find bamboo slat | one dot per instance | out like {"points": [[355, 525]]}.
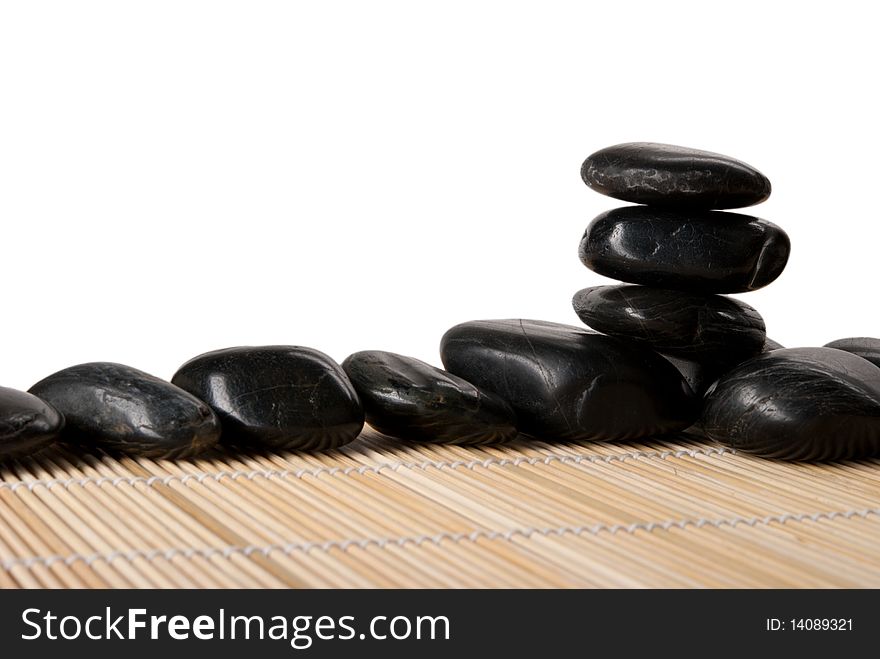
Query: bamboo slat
{"points": [[379, 513]]}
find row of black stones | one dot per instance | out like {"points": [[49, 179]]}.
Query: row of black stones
{"points": [[250, 398], [673, 351]]}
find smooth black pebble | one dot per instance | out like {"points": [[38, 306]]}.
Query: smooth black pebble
{"points": [[815, 404], [277, 397], [863, 346], [675, 322], [120, 408], [565, 383], [700, 251], [674, 176], [414, 401], [27, 423]]}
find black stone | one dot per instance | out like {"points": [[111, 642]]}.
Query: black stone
{"points": [[701, 251], [674, 322], [674, 176], [120, 408], [813, 404], [278, 397], [863, 346], [568, 384], [414, 401], [27, 423]]}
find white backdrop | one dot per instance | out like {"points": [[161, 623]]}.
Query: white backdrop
{"points": [[177, 177]]}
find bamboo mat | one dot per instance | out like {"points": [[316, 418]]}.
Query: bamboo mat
{"points": [[378, 514]]}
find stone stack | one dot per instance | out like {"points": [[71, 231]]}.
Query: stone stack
{"points": [[680, 254], [664, 339]]}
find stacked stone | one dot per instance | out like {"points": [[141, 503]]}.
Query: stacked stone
{"points": [[680, 254], [665, 337]]}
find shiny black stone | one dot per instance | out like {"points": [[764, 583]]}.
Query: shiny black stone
{"points": [[414, 401], [278, 397], [674, 322], [27, 423], [568, 384], [812, 404], [701, 251], [674, 176], [863, 346], [120, 408]]}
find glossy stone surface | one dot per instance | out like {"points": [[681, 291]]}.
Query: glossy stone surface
{"points": [[27, 423], [674, 176], [703, 371], [770, 344], [414, 401], [568, 384], [700, 374], [675, 322], [863, 346], [278, 397], [700, 251], [813, 404], [120, 408]]}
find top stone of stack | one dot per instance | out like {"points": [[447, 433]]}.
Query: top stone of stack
{"points": [[668, 176]]}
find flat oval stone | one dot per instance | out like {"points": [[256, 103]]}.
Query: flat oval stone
{"points": [[700, 251], [674, 176], [414, 401], [27, 424], [120, 408], [812, 404], [863, 346], [674, 322], [278, 397], [568, 384]]}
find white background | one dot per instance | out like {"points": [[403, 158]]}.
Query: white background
{"points": [[177, 177]]}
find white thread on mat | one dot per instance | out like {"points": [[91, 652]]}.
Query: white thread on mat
{"points": [[364, 469], [479, 534]]}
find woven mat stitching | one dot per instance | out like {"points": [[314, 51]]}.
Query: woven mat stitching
{"points": [[345, 471], [479, 534]]}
